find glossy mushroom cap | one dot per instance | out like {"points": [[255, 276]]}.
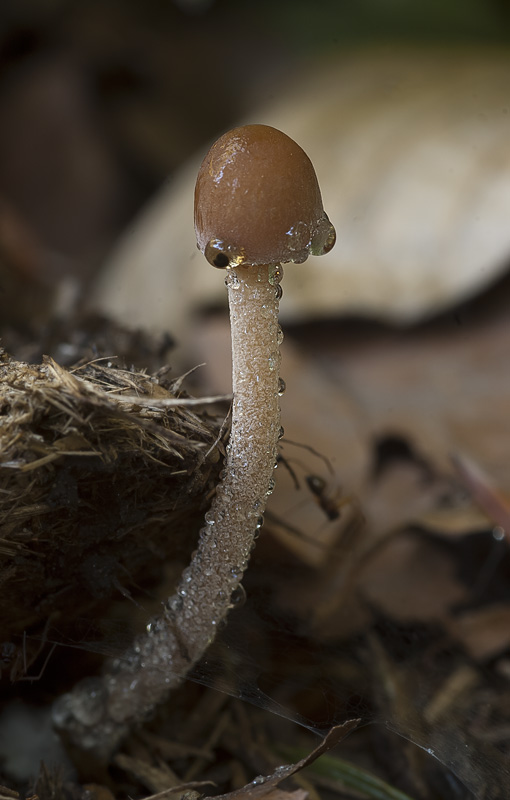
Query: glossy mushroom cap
{"points": [[257, 201]]}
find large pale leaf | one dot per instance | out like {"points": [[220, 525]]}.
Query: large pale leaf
{"points": [[412, 150]]}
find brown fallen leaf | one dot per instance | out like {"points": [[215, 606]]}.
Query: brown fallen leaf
{"points": [[440, 387], [279, 794], [264, 784], [411, 579], [484, 632]]}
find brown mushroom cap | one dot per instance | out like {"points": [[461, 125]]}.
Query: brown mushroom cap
{"points": [[257, 200]]}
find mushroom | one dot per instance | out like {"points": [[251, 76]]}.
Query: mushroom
{"points": [[257, 204]]}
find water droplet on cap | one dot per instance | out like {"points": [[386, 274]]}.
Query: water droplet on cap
{"points": [[275, 274], [324, 238], [221, 255]]}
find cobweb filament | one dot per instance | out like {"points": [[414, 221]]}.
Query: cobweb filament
{"points": [[234, 667]]}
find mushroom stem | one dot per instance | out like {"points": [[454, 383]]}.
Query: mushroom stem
{"points": [[98, 713], [232, 523], [257, 203]]}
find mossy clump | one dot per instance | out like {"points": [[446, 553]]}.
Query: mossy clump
{"points": [[104, 476]]}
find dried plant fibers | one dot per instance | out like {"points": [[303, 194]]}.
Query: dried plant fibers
{"points": [[81, 451], [257, 203]]}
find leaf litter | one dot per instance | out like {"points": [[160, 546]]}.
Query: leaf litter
{"points": [[421, 574], [392, 611]]}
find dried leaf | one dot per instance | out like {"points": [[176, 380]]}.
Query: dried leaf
{"points": [[262, 785], [412, 580], [279, 794], [8, 794], [484, 632], [411, 151]]}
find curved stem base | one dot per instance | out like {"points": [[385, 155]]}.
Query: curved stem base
{"points": [[98, 713]]}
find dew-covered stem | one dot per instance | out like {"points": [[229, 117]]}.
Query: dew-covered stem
{"points": [[99, 712]]}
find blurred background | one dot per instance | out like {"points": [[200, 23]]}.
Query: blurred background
{"points": [[402, 107], [396, 342], [106, 110]]}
